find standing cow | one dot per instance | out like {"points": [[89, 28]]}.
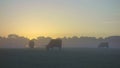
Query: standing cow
{"points": [[31, 43], [103, 45], [54, 43]]}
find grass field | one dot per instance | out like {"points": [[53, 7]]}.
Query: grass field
{"points": [[67, 58]]}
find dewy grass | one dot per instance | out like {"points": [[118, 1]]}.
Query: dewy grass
{"points": [[67, 58]]}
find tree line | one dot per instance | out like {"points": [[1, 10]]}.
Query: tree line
{"points": [[15, 41]]}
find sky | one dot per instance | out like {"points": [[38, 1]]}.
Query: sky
{"points": [[59, 18]]}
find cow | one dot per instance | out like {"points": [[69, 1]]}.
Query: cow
{"points": [[54, 43], [103, 45], [31, 43]]}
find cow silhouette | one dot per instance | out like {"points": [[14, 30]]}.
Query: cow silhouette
{"points": [[54, 43], [31, 43], [103, 45]]}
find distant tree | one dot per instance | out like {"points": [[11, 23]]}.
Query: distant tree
{"points": [[75, 37], [13, 36]]}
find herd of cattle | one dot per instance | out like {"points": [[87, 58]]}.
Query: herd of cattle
{"points": [[53, 43], [58, 43]]}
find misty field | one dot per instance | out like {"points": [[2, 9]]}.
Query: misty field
{"points": [[67, 58]]}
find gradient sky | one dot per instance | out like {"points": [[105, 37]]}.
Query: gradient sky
{"points": [[58, 18]]}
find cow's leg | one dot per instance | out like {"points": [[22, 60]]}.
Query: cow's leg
{"points": [[106, 46], [60, 48], [51, 48], [47, 48]]}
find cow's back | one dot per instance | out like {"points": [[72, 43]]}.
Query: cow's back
{"points": [[105, 44], [55, 43]]}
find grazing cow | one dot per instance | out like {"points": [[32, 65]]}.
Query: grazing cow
{"points": [[54, 43], [31, 43], [103, 45]]}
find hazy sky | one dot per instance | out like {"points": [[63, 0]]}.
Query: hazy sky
{"points": [[58, 18]]}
